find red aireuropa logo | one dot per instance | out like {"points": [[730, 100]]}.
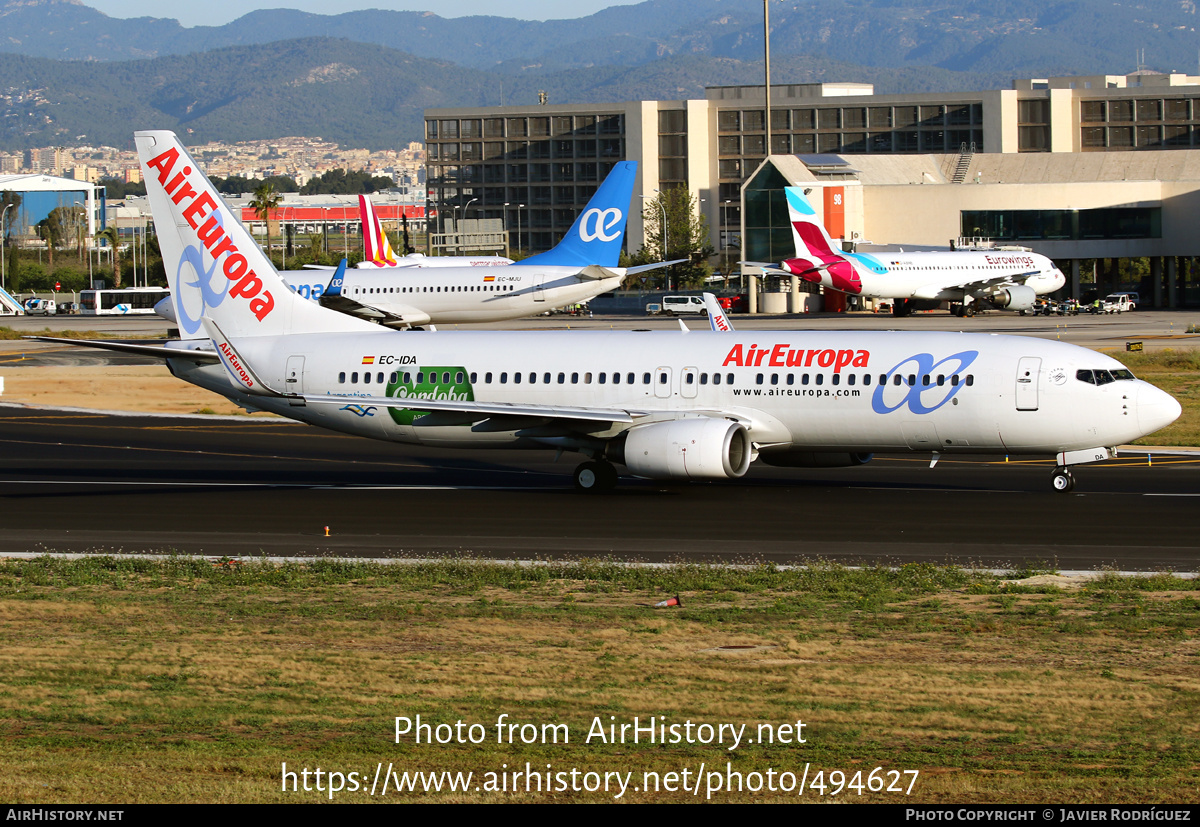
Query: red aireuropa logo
{"points": [[245, 283]]}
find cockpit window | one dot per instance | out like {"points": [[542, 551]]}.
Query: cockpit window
{"points": [[1123, 374], [1103, 377]]}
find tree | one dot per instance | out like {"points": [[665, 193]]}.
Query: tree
{"points": [[265, 200], [113, 238], [686, 236]]}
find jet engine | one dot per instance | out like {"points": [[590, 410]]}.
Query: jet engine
{"points": [[1017, 297], [814, 459], [697, 448]]}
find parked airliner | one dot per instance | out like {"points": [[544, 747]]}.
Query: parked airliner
{"points": [[582, 266], [673, 405], [1008, 279]]}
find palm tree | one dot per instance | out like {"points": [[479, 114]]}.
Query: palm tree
{"points": [[265, 200], [110, 235]]}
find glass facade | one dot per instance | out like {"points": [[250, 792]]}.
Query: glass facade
{"points": [[1139, 123], [1065, 225], [551, 164]]}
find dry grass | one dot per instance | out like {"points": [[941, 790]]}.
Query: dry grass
{"points": [[143, 684]]}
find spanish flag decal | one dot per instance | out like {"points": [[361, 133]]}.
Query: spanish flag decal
{"points": [[489, 278], [368, 360]]}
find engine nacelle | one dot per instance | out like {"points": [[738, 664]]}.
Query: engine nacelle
{"points": [[1017, 297], [690, 449], [814, 459]]}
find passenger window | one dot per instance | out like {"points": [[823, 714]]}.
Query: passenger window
{"points": [[617, 378], [603, 377], [897, 379], [704, 379], [393, 376], [532, 378], [912, 380], [820, 378], [445, 378], [562, 379], [691, 378], [774, 378], [791, 378], [662, 379], [804, 379], [835, 379], [849, 378], [645, 379], [545, 378], [474, 377], [925, 380], [342, 378], [758, 379], [420, 378], [716, 378], [970, 379], [629, 377], [941, 380], [574, 378], [516, 377], [487, 378], [729, 379], [354, 377], [866, 379], [587, 377], [954, 380], [503, 378], [458, 377]]}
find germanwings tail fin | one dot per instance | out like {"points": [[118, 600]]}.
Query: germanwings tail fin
{"points": [[214, 268], [598, 234], [376, 248]]}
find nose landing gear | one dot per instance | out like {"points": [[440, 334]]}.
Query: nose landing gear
{"points": [[1062, 480]]}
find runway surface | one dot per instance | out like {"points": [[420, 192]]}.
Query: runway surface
{"points": [[78, 481]]}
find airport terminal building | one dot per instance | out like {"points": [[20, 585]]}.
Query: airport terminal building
{"points": [[1092, 169]]}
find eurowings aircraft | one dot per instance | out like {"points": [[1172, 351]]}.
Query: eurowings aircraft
{"points": [[378, 253], [672, 405], [916, 281], [580, 267]]}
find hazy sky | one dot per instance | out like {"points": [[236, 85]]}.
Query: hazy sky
{"points": [[217, 12]]}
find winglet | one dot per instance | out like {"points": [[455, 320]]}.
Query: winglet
{"points": [[716, 316], [238, 368]]}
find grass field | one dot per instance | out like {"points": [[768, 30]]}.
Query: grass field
{"points": [[1178, 373], [180, 680]]}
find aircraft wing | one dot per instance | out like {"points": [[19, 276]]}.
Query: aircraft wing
{"points": [[932, 291], [395, 316], [599, 273], [483, 409], [156, 351]]}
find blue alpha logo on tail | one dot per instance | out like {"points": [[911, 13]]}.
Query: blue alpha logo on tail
{"points": [[598, 234]]}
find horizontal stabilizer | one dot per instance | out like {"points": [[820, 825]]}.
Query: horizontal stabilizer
{"points": [[157, 351]]}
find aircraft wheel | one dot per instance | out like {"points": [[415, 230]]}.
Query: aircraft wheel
{"points": [[1062, 480], [968, 310], [595, 477]]}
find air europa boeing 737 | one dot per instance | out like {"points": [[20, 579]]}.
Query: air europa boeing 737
{"points": [[916, 281], [672, 405]]}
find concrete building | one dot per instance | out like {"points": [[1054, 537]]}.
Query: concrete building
{"points": [[1074, 167]]}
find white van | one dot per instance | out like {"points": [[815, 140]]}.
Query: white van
{"points": [[683, 304], [41, 307]]}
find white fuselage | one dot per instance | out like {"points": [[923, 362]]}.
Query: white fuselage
{"points": [[851, 391], [946, 276], [446, 295]]}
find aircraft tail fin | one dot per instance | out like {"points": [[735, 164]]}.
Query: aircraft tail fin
{"points": [[810, 235], [377, 250], [214, 267], [598, 234]]}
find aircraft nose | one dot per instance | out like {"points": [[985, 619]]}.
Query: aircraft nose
{"points": [[1156, 409]]}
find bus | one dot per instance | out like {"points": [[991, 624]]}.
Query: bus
{"points": [[125, 301]]}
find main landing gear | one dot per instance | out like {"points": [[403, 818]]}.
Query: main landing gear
{"points": [[593, 477], [1062, 480]]}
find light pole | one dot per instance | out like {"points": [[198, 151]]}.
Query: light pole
{"points": [[4, 246], [506, 255], [464, 218], [725, 237], [519, 208]]}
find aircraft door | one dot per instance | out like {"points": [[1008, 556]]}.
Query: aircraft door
{"points": [[293, 380], [662, 383], [688, 380], [1028, 369], [539, 291]]}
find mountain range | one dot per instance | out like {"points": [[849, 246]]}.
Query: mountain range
{"points": [[70, 73]]}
